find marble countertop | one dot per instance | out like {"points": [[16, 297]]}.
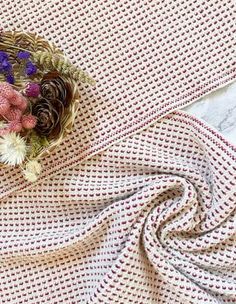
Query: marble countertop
{"points": [[219, 110]]}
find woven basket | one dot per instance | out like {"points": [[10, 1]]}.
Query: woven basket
{"points": [[34, 43]]}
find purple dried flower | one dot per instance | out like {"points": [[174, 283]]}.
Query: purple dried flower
{"points": [[6, 65], [32, 89], [23, 55], [30, 68], [3, 56], [10, 78]]}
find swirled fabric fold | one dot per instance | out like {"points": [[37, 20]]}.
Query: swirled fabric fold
{"points": [[149, 220], [137, 205], [148, 58]]}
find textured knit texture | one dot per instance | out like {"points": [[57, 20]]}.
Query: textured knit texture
{"points": [[128, 210], [148, 57], [149, 220]]}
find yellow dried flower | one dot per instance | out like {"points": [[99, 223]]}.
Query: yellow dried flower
{"points": [[34, 166], [30, 177], [32, 170]]}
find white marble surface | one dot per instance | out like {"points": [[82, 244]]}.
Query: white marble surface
{"points": [[219, 110]]}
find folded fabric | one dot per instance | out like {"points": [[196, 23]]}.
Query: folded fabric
{"points": [[137, 204], [149, 220], [147, 57]]}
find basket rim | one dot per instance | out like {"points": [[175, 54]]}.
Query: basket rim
{"points": [[69, 116]]}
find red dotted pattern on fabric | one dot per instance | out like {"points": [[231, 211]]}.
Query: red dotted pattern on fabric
{"points": [[149, 220], [148, 57]]}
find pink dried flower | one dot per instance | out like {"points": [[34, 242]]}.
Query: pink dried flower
{"points": [[32, 89], [16, 100], [12, 107], [28, 121], [15, 126], [23, 105], [19, 101], [13, 114], [6, 90], [4, 105]]}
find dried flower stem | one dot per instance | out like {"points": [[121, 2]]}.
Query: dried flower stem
{"points": [[63, 66], [56, 62]]}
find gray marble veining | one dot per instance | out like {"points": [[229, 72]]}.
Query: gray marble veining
{"points": [[219, 110]]}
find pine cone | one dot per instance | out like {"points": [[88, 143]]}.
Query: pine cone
{"points": [[54, 87], [49, 115]]}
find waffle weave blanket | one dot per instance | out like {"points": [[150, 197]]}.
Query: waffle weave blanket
{"points": [[138, 204]]}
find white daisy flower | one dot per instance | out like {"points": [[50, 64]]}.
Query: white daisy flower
{"points": [[12, 149]]}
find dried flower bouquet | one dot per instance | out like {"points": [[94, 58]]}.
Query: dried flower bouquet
{"points": [[38, 100]]}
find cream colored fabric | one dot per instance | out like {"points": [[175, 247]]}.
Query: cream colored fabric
{"points": [[132, 207], [149, 220], [148, 58]]}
